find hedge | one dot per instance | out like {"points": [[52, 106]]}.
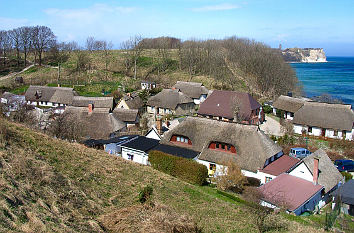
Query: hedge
{"points": [[184, 169]]}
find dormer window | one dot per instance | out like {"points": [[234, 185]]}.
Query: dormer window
{"points": [[181, 139], [225, 147], [38, 94]]}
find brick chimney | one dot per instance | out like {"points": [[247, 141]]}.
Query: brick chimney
{"points": [[315, 170], [90, 108], [159, 124]]}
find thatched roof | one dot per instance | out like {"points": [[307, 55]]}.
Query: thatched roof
{"points": [[99, 124], [126, 115], [62, 95], [223, 103], [323, 115], [133, 101], [98, 102], [191, 89], [169, 98], [328, 175], [289, 104], [253, 147]]}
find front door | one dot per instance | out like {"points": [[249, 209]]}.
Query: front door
{"points": [[323, 133]]}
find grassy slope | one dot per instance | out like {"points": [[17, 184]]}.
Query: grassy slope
{"points": [[45, 75], [52, 185]]}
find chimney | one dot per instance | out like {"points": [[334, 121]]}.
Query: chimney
{"points": [[315, 170], [159, 124], [90, 108]]}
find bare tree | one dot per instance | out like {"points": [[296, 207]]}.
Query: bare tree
{"points": [[107, 49], [133, 49], [26, 42], [67, 126], [15, 35], [5, 44], [90, 43], [43, 39]]}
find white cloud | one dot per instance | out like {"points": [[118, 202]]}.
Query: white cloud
{"points": [[220, 7], [11, 23]]}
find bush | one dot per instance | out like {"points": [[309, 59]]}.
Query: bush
{"points": [[145, 194], [347, 176], [232, 180], [267, 109], [184, 169]]}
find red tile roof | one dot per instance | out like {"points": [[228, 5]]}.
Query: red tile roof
{"points": [[289, 191], [222, 104], [281, 165]]}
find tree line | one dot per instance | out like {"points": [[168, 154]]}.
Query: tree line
{"points": [[231, 62]]}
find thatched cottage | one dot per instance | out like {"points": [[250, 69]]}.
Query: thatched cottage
{"points": [[289, 105], [197, 91], [232, 106], [49, 96], [97, 123], [170, 101], [96, 102], [219, 142], [131, 101], [323, 119]]}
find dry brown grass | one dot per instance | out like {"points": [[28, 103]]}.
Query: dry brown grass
{"points": [[52, 185]]}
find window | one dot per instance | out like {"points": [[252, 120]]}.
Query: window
{"points": [[212, 167], [309, 129], [181, 139], [222, 147], [130, 157], [335, 133], [267, 179], [291, 114]]}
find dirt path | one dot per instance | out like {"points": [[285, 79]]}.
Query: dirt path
{"points": [[272, 127], [16, 73]]}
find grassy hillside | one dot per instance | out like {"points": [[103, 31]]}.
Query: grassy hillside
{"points": [[53, 185]]}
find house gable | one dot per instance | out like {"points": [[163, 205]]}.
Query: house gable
{"points": [[302, 171]]}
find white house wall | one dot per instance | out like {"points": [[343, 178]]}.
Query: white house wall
{"points": [[219, 168], [123, 104], [302, 172], [329, 133], [262, 176], [138, 156]]}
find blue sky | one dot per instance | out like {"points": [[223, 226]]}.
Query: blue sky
{"points": [[293, 23]]}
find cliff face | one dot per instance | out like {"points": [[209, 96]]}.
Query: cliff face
{"points": [[304, 55]]}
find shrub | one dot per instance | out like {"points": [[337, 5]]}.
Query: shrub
{"points": [[267, 109], [185, 169], [233, 179], [347, 176], [145, 194]]}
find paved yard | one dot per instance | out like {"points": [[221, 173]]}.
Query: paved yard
{"points": [[272, 127]]}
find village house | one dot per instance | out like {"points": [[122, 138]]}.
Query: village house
{"points": [[128, 116], [346, 195], [170, 101], [137, 150], [12, 102], [275, 167], [326, 120], [131, 101], [232, 106], [96, 102], [49, 96], [319, 168], [289, 105], [197, 91], [220, 142], [147, 85], [111, 145], [96, 123], [295, 194]]}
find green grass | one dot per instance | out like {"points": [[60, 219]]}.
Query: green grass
{"points": [[95, 89], [20, 90], [33, 69]]}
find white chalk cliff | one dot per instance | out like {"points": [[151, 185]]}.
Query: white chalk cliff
{"points": [[304, 55]]}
